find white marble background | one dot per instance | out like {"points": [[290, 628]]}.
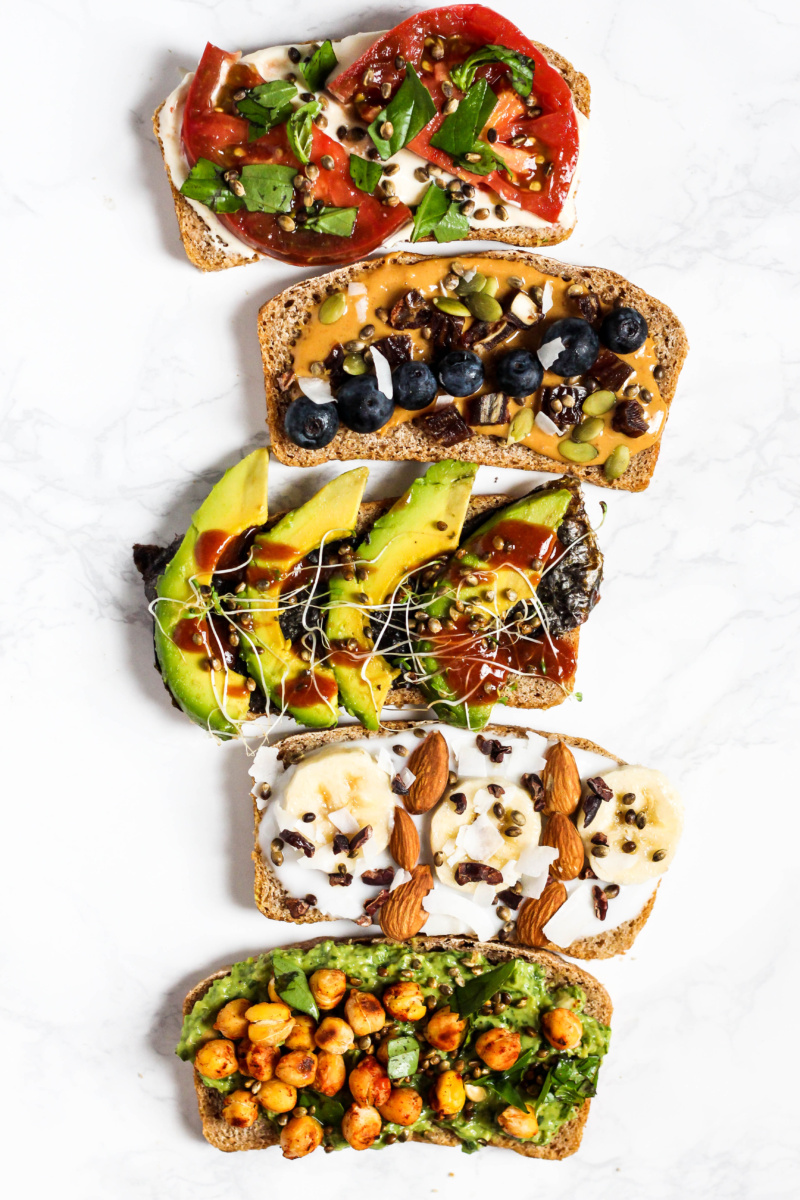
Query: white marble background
{"points": [[131, 381]]}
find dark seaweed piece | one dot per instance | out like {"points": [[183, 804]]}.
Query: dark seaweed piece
{"points": [[569, 590]]}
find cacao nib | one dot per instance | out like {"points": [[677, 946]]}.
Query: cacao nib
{"points": [[586, 872], [600, 903], [360, 839], [611, 373], [341, 843], [491, 409], [629, 419], [566, 415], [599, 839], [472, 872], [396, 348], [591, 807], [398, 787], [586, 305], [337, 880], [446, 426], [372, 906], [335, 364], [494, 789], [298, 841], [600, 787], [498, 752], [297, 908], [534, 787], [510, 898], [379, 877], [459, 802]]}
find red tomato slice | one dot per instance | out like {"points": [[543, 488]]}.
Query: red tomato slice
{"points": [[221, 136], [467, 27]]}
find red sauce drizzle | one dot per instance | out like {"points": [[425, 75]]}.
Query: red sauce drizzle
{"points": [[469, 664], [214, 630], [305, 690], [209, 548], [523, 543]]}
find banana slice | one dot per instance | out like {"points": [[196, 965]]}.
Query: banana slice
{"points": [[643, 823], [478, 834], [346, 790]]}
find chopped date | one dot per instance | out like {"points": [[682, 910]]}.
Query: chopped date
{"points": [[591, 807], [490, 409], [600, 787], [446, 425], [341, 843], [298, 841], [334, 363], [378, 877], [510, 898], [629, 419], [297, 908], [409, 312], [610, 372], [488, 335], [447, 331], [372, 906], [472, 872], [564, 404], [337, 880], [396, 349], [360, 839], [600, 903], [586, 305]]}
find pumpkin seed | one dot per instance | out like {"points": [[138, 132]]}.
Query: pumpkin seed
{"points": [[577, 452], [454, 308], [354, 364], [599, 403], [587, 431], [467, 286], [617, 462], [484, 307], [492, 286], [521, 425], [333, 308]]}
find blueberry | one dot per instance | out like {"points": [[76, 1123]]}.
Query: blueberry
{"points": [[623, 330], [414, 385], [460, 372], [519, 373], [311, 425], [362, 407], [581, 345]]}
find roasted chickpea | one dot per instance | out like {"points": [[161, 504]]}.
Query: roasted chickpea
{"points": [[298, 1068], [361, 1126], [216, 1059], [240, 1109], [300, 1137], [403, 1106], [270, 1023], [231, 1020], [364, 1012], [404, 1002], [447, 1094], [517, 1123], [562, 1028], [445, 1030], [335, 1035], [272, 992], [382, 1053], [331, 1073], [302, 1035], [257, 1059], [499, 1048], [328, 988], [369, 1083], [277, 1096]]}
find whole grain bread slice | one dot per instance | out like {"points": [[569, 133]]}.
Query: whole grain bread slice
{"points": [[273, 900], [281, 321], [558, 973], [205, 251]]}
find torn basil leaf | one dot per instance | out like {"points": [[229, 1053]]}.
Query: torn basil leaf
{"points": [[459, 131], [506, 1084], [336, 221], [292, 986], [327, 1111], [439, 214], [403, 1057], [268, 187], [520, 68], [206, 185], [575, 1079], [267, 105], [364, 173], [319, 67], [474, 994], [408, 112], [300, 129]]}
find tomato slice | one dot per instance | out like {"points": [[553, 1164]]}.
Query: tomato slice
{"points": [[212, 130], [540, 187]]}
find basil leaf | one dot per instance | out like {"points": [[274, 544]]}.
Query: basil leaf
{"points": [[473, 995], [409, 111], [337, 221], [329, 1112], [541, 1099], [319, 67], [292, 986], [364, 173], [506, 1083], [403, 1057], [574, 1079], [459, 131], [439, 214], [267, 105], [300, 129], [520, 68], [206, 185], [487, 162], [453, 225]]}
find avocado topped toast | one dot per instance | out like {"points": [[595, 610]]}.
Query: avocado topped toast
{"points": [[367, 1043]]}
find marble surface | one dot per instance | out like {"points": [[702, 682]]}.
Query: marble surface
{"points": [[131, 381]]}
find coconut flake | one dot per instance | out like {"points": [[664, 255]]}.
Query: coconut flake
{"points": [[533, 865], [318, 391], [384, 761], [484, 894], [472, 764], [443, 401], [546, 425], [383, 373], [362, 308], [344, 821], [406, 777], [570, 921], [470, 274], [447, 902], [547, 297], [482, 839], [401, 877], [482, 801], [655, 424], [357, 289], [549, 352]]}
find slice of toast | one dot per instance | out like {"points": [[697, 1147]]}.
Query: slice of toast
{"points": [[274, 902], [557, 974], [281, 320], [206, 251]]}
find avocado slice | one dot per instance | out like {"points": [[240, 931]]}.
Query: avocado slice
{"points": [[491, 574], [425, 522], [307, 694], [218, 699]]}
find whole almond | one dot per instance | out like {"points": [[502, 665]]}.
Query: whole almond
{"points": [[534, 914], [404, 842], [561, 781], [402, 915], [430, 764], [562, 835]]}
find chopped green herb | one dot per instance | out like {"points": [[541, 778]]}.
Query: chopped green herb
{"points": [[439, 214], [327, 1111], [292, 986], [319, 67], [459, 131], [267, 105], [506, 1083], [474, 994], [337, 221], [268, 187], [408, 112], [520, 68], [300, 129], [365, 174], [206, 185], [574, 1079], [403, 1057]]}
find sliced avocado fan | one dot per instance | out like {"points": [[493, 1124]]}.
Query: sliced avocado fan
{"points": [[424, 523], [306, 690], [188, 648]]}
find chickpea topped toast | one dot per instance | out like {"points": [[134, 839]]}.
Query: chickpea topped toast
{"points": [[364, 1043]]}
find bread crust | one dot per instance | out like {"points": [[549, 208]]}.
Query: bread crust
{"points": [[205, 252], [558, 974]]}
